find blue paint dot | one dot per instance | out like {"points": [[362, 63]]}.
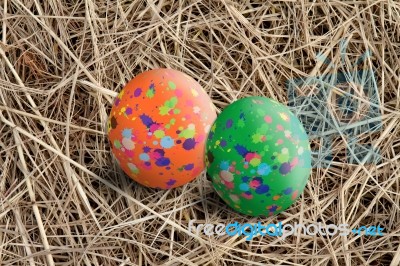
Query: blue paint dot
{"points": [[163, 161], [167, 142], [262, 189], [244, 187], [245, 178], [144, 157], [263, 169], [127, 133], [224, 165]]}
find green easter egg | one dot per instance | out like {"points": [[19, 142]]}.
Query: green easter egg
{"points": [[258, 156]]}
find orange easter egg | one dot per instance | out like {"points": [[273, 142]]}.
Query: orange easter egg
{"points": [[158, 126]]}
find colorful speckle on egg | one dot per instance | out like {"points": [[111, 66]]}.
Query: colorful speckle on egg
{"points": [[258, 156], [157, 128]]}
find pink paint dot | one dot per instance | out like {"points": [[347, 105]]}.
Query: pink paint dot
{"points": [[279, 141], [200, 138], [294, 162], [129, 153], [254, 184], [250, 156], [228, 184], [268, 119], [294, 195], [196, 171], [154, 127], [178, 92], [247, 196], [155, 155], [279, 127]]}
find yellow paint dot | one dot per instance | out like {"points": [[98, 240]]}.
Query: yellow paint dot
{"points": [[195, 93]]}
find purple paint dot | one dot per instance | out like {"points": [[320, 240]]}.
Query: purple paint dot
{"points": [[223, 143], [168, 168], [273, 208], [189, 144], [178, 141], [241, 150], [245, 178], [146, 120], [146, 149], [262, 189], [171, 182], [163, 161], [128, 111], [229, 123], [147, 163], [288, 191], [161, 152], [117, 101], [189, 166], [137, 92], [285, 168]]}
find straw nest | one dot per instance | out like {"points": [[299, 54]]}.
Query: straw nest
{"points": [[64, 201]]}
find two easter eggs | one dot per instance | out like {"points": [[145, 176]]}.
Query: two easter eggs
{"points": [[164, 131]]}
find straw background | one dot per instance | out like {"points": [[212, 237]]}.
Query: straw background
{"points": [[63, 199]]}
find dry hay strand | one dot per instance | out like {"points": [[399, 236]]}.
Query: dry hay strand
{"points": [[64, 201]]}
